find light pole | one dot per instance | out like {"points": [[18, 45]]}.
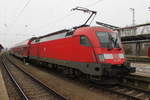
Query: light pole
{"points": [[133, 16]]}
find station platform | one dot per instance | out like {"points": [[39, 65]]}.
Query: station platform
{"points": [[142, 69], [3, 90]]}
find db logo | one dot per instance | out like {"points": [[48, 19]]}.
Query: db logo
{"points": [[116, 57]]}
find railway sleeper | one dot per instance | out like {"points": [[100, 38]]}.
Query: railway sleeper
{"points": [[138, 83]]}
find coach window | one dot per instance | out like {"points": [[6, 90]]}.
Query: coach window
{"points": [[84, 41]]}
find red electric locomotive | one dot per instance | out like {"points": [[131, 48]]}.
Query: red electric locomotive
{"points": [[94, 51]]}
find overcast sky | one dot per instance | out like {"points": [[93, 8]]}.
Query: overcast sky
{"points": [[22, 19]]}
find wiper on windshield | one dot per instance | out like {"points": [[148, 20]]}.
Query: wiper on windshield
{"points": [[113, 40], [116, 43]]}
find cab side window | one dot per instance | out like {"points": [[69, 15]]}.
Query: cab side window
{"points": [[84, 41]]}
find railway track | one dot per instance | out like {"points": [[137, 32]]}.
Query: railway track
{"points": [[29, 87], [132, 87], [129, 93], [138, 59]]}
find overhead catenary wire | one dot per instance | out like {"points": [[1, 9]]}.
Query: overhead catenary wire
{"points": [[94, 3], [22, 10], [19, 14], [57, 20], [61, 18], [68, 15], [12, 24]]}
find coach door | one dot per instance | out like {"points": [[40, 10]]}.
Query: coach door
{"points": [[38, 48], [38, 51]]}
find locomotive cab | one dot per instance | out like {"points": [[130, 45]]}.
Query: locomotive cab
{"points": [[107, 49], [110, 50]]}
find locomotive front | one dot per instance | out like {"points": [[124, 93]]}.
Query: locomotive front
{"points": [[108, 52], [111, 51]]}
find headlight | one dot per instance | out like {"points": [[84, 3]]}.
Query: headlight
{"points": [[108, 56], [102, 57], [121, 56]]}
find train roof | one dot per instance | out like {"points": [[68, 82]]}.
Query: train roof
{"points": [[96, 28], [25, 42], [77, 28], [74, 29], [57, 32]]}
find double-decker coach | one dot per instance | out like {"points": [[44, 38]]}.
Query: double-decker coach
{"points": [[21, 49]]}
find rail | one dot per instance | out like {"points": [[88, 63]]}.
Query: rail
{"points": [[138, 59], [132, 86], [58, 95], [25, 97]]}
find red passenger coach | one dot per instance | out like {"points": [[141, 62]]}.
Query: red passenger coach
{"points": [[21, 50]]}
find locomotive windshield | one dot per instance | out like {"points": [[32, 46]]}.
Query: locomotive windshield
{"points": [[109, 40]]}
